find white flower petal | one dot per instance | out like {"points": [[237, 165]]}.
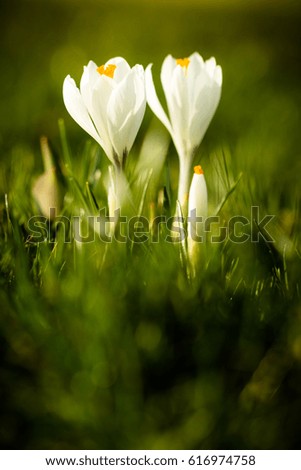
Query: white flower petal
{"points": [[218, 75], [205, 108], [179, 94], [179, 110], [195, 68], [153, 101], [88, 79], [122, 68], [132, 126], [122, 101], [101, 94], [139, 83], [207, 95], [125, 111], [197, 209], [77, 109], [196, 58], [198, 198], [168, 67], [210, 65]]}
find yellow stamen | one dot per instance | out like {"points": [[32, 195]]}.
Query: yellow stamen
{"points": [[183, 62], [107, 70], [198, 170]]}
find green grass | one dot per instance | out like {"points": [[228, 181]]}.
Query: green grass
{"points": [[113, 346]]}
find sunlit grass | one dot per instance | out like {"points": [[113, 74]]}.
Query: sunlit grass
{"points": [[112, 346]]}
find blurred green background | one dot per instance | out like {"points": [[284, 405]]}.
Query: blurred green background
{"points": [[125, 359]]}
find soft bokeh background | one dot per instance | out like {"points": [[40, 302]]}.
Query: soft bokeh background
{"points": [[126, 360]]}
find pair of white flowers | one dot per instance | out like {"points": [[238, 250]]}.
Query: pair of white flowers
{"points": [[110, 104]]}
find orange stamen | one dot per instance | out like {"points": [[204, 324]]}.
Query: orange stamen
{"points": [[198, 170], [107, 70], [183, 62]]}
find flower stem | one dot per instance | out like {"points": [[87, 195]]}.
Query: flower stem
{"points": [[184, 183]]}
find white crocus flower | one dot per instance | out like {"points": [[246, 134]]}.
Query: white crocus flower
{"points": [[192, 90], [109, 105], [197, 213]]}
